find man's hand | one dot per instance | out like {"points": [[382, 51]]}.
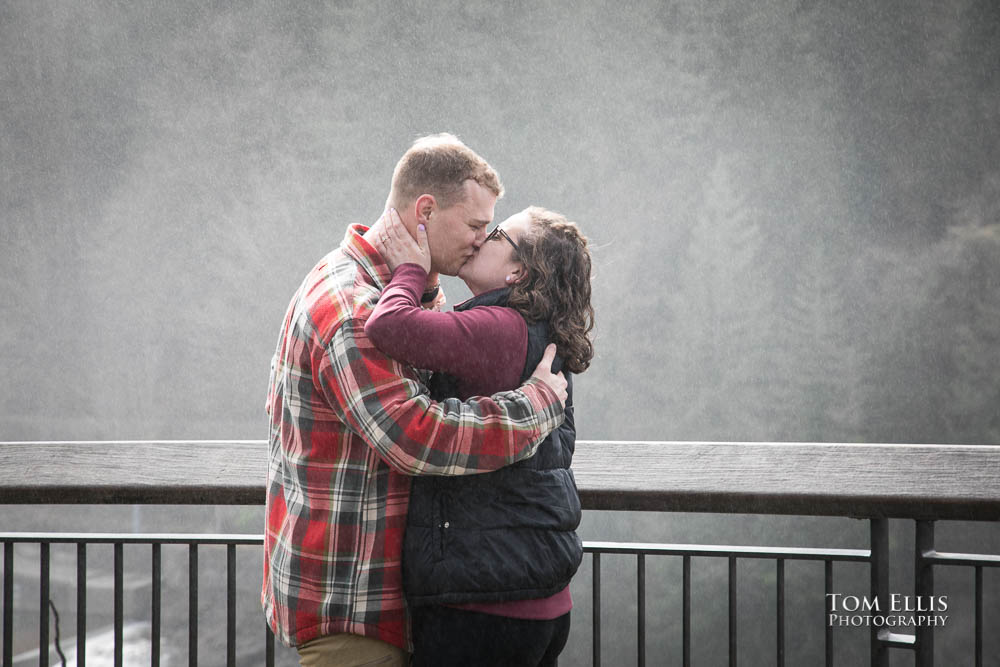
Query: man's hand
{"points": [[543, 372], [396, 245]]}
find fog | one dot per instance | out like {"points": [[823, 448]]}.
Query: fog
{"points": [[794, 205]]}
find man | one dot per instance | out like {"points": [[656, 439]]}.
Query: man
{"points": [[350, 425]]}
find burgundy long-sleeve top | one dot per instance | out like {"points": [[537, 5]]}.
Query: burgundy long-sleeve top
{"points": [[484, 348]]}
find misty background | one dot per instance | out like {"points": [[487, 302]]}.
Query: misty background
{"points": [[794, 208]]}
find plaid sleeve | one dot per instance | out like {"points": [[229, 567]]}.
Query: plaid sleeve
{"points": [[379, 399]]}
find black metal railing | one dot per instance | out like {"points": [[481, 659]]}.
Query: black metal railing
{"points": [[118, 542], [922, 641], [732, 554], [976, 496]]}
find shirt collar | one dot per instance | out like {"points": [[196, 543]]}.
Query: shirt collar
{"points": [[355, 246]]}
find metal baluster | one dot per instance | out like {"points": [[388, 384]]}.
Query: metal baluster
{"points": [[641, 606], [686, 613], [156, 604], [119, 602], [231, 605], [43, 606], [828, 590], [81, 604], [193, 604], [8, 604], [780, 621], [732, 612], [924, 586], [879, 529], [597, 609], [268, 647], [979, 616]]}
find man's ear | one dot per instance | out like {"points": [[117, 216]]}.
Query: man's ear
{"points": [[423, 207]]}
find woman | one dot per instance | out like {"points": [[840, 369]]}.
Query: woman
{"points": [[488, 558]]}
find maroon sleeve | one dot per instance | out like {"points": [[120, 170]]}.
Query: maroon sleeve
{"points": [[482, 344]]}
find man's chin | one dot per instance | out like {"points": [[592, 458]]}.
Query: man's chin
{"points": [[448, 270]]}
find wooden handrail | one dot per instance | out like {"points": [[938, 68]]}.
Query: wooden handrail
{"points": [[822, 479]]}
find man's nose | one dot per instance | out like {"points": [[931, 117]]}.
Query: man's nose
{"points": [[480, 238]]}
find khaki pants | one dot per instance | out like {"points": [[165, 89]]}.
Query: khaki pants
{"points": [[344, 650]]}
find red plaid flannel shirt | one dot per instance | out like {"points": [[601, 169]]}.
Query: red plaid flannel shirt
{"points": [[349, 426]]}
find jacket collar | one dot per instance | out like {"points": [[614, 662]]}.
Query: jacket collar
{"points": [[495, 297], [355, 246]]}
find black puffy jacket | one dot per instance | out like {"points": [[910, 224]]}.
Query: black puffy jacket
{"points": [[504, 535]]}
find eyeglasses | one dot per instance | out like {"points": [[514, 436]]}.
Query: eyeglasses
{"points": [[498, 232]]}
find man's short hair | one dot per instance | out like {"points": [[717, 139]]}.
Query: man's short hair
{"points": [[439, 165]]}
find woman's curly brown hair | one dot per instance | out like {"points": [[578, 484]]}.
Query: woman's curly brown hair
{"points": [[556, 285]]}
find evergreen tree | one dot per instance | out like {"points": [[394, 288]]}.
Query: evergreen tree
{"points": [[819, 397], [964, 310], [721, 311]]}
